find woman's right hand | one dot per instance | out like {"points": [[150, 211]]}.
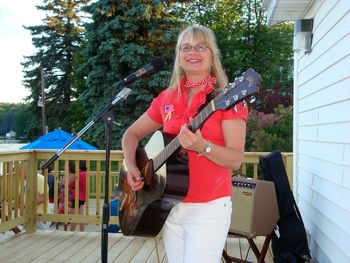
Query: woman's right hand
{"points": [[134, 178], [142, 127]]}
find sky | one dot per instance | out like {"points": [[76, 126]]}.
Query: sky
{"points": [[15, 42]]}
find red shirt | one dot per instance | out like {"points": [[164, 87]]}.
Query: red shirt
{"points": [[82, 186], [207, 180]]}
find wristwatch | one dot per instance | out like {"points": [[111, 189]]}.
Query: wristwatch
{"points": [[207, 148]]}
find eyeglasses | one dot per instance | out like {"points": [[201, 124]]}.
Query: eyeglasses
{"points": [[199, 48]]}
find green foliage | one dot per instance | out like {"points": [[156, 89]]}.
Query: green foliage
{"points": [[22, 118], [123, 37], [6, 117], [272, 131], [15, 117]]}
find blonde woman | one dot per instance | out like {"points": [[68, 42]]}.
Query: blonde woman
{"points": [[197, 227]]}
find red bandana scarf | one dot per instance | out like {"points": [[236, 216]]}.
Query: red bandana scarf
{"points": [[210, 80]]}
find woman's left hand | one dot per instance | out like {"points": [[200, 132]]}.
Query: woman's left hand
{"points": [[192, 141]]}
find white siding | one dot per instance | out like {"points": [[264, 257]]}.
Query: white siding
{"points": [[322, 132]]}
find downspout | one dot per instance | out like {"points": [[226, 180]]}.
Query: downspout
{"points": [[295, 123]]}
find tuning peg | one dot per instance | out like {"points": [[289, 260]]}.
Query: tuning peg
{"points": [[235, 108], [252, 99], [240, 79], [232, 85], [244, 103]]}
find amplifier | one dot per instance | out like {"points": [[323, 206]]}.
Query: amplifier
{"points": [[254, 207]]}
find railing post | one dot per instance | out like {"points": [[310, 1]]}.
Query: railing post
{"points": [[31, 191]]}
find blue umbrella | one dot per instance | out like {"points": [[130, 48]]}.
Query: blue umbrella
{"points": [[57, 140]]}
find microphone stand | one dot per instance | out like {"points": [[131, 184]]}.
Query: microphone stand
{"points": [[107, 115], [105, 212]]}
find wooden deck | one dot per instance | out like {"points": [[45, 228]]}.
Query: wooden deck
{"points": [[61, 246]]}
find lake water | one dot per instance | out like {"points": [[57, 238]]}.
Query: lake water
{"points": [[10, 146]]}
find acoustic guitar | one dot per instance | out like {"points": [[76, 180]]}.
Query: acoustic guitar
{"points": [[165, 171]]}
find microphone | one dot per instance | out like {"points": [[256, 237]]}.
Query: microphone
{"points": [[156, 64]]}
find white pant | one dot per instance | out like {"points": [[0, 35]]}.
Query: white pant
{"points": [[196, 232]]}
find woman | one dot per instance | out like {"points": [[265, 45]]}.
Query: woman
{"points": [[82, 191], [62, 193], [196, 228]]}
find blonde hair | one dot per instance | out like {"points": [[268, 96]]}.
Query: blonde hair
{"points": [[209, 39]]}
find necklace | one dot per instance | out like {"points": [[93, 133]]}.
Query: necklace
{"points": [[204, 82]]}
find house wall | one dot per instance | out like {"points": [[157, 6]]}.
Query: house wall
{"points": [[322, 132]]}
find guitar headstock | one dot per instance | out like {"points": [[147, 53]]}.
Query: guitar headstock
{"points": [[242, 89]]}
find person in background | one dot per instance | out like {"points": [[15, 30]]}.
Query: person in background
{"points": [[196, 228], [61, 195], [40, 202], [82, 191], [51, 184]]}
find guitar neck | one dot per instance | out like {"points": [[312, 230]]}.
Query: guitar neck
{"points": [[194, 125]]}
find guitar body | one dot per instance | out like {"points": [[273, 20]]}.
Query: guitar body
{"points": [[143, 213]]}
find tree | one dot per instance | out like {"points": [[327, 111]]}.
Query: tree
{"points": [[123, 36], [56, 40], [6, 118], [15, 117]]}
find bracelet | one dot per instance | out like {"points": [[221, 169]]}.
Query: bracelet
{"points": [[207, 148]]}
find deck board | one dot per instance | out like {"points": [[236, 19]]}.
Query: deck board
{"points": [[94, 244], [65, 241], [75, 248], [14, 240], [35, 249], [129, 252], [95, 255], [145, 251], [22, 246], [60, 246], [115, 251], [158, 254]]}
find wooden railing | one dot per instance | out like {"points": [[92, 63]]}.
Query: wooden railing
{"points": [[250, 166], [18, 183]]}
